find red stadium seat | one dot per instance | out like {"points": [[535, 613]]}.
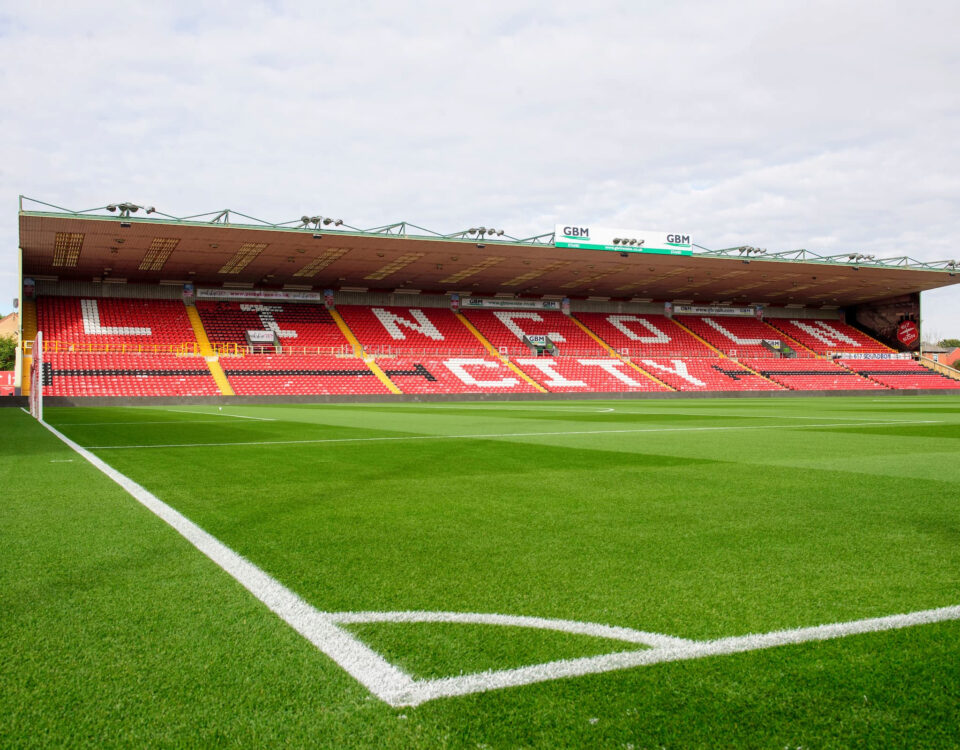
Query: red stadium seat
{"points": [[737, 337], [586, 375], [900, 374], [453, 375], [73, 374], [427, 331], [825, 336], [810, 375], [505, 329], [298, 327], [300, 374], [635, 335], [112, 324], [704, 374]]}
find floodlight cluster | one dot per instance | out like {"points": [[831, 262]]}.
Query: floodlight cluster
{"points": [[317, 221]]}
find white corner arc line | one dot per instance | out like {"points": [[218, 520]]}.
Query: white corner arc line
{"points": [[509, 435], [574, 627], [426, 690], [396, 688]]}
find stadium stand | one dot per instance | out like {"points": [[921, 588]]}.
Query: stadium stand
{"points": [[810, 375], [505, 330], [100, 374], [738, 337], [110, 324], [644, 335], [825, 336], [586, 375], [298, 327], [900, 373], [410, 330], [453, 375], [704, 374], [300, 374]]}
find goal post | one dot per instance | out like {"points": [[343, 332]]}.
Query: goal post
{"points": [[36, 378]]}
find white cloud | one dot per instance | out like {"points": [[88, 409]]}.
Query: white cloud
{"points": [[830, 126]]}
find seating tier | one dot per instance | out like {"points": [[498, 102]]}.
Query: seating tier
{"points": [[825, 336], [736, 337], [112, 323], [453, 375], [811, 375], [422, 331], [900, 374], [295, 325], [300, 374], [644, 335], [505, 329], [586, 375], [704, 374], [137, 375]]}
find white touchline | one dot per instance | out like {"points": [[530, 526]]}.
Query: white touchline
{"points": [[397, 688], [218, 414], [361, 662], [507, 435], [176, 422]]}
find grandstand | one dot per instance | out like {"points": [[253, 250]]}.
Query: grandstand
{"points": [[164, 307]]}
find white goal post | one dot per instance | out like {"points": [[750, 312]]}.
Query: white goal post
{"points": [[36, 378]]}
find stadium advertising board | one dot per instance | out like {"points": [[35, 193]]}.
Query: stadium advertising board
{"points": [[586, 237], [510, 304], [713, 310], [259, 294]]}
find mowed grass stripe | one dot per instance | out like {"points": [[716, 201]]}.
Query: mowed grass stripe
{"points": [[506, 435]]}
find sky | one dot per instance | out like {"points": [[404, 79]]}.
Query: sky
{"points": [[831, 126]]}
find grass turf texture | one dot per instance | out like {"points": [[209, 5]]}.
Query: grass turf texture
{"points": [[699, 519]]}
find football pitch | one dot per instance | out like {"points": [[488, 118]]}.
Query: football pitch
{"points": [[624, 574]]}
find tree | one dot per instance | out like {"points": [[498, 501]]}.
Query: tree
{"points": [[8, 352], [949, 343]]}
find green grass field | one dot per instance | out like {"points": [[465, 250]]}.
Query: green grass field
{"points": [[697, 520]]}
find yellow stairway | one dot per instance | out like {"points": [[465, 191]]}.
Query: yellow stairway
{"points": [[213, 363], [28, 325]]}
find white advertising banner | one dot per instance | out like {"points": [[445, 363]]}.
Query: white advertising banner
{"points": [[713, 310], [260, 337], [259, 294], [510, 304], [587, 237]]}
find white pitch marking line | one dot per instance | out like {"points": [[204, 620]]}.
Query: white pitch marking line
{"points": [[217, 414], [177, 422], [361, 662], [426, 690], [508, 435], [629, 635]]}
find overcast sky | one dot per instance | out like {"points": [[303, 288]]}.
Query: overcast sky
{"points": [[832, 126]]}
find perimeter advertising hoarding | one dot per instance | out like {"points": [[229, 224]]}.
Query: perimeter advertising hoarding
{"points": [[587, 237]]}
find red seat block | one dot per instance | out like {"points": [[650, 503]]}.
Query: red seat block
{"points": [[405, 331], [505, 329], [704, 374]]}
